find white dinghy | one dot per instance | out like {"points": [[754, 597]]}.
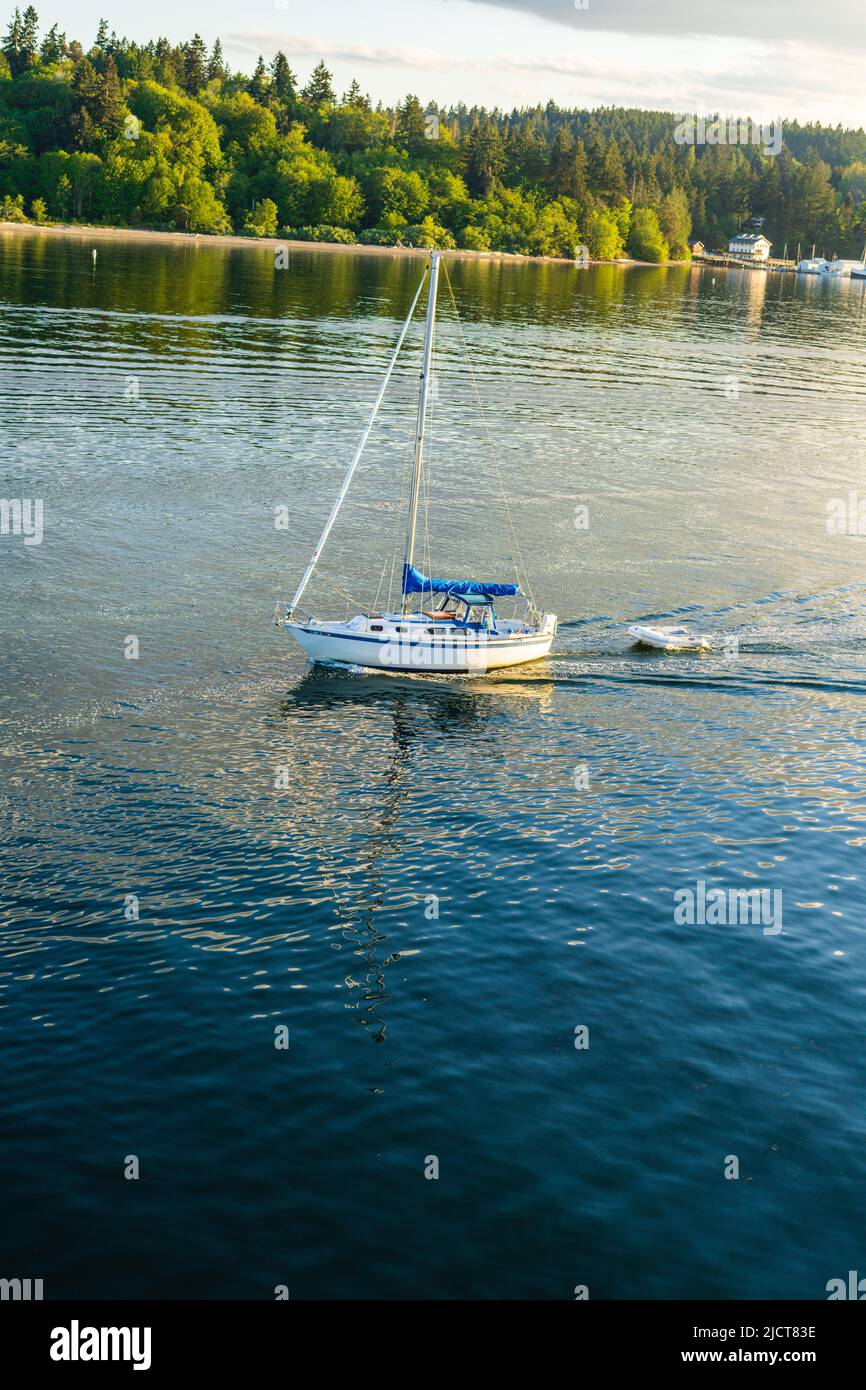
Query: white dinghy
{"points": [[670, 639], [448, 625]]}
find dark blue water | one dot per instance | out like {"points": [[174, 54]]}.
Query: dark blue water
{"points": [[431, 882]]}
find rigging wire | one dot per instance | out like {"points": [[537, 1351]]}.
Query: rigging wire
{"points": [[398, 529], [379, 587], [344, 593], [517, 557], [311, 567]]}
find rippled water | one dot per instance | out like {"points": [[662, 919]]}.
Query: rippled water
{"points": [[290, 833]]}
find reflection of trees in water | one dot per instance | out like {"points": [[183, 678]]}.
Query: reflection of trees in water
{"points": [[328, 294], [415, 713]]}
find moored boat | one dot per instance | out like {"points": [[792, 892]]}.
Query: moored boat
{"points": [[813, 265], [858, 268]]}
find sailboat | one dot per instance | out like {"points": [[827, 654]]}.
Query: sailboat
{"points": [[447, 625], [858, 269]]}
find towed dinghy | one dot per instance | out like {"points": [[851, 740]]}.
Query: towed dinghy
{"points": [[669, 639]]}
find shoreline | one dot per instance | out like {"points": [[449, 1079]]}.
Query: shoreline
{"points": [[197, 239]]}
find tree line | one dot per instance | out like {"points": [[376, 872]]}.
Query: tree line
{"points": [[166, 136]]}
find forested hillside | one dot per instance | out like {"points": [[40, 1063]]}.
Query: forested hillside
{"points": [[165, 136]]}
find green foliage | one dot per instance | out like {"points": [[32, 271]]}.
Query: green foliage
{"points": [[853, 181], [245, 128], [646, 242], [195, 65], [474, 239], [379, 236], [164, 135], [12, 209], [485, 158], [603, 236], [262, 220], [338, 235], [351, 129], [428, 233], [555, 232], [305, 185], [410, 131], [319, 90], [191, 130], [675, 222], [21, 41], [506, 219], [450, 203], [398, 196], [621, 212]]}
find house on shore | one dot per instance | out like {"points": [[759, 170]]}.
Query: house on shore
{"points": [[750, 246], [697, 248]]}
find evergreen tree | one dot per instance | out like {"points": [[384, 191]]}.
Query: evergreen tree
{"points": [[596, 149], [29, 49], [527, 151], [85, 102], [12, 44], [102, 36], [355, 97], [285, 82], [319, 89], [165, 67], [567, 170], [485, 158], [675, 222], [110, 108], [581, 172], [561, 161], [53, 46], [195, 65], [816, 204], [410, 129], [216, 68], [259, 83], [613, 180]]}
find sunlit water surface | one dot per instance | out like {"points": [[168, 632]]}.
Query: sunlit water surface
{"points": [[431, 882]]}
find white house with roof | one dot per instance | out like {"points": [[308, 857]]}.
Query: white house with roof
{"points": [[750, 246]]}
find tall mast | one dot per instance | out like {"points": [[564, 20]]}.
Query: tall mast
{"points": [[308, 573], [422, 415]]}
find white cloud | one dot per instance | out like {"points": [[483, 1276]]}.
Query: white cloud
{"points": [[841, 24], [255, 41], [790, 78]]}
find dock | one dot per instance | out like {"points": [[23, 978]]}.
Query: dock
{"points": [[725, 260]]}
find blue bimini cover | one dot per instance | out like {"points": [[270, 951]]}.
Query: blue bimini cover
{"points": [[414, 582]]}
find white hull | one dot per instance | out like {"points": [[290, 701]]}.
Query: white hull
{"points": [[472, 654], [669, 639]]}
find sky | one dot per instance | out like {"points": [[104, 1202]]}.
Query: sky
{"points": [[763, 58]]}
